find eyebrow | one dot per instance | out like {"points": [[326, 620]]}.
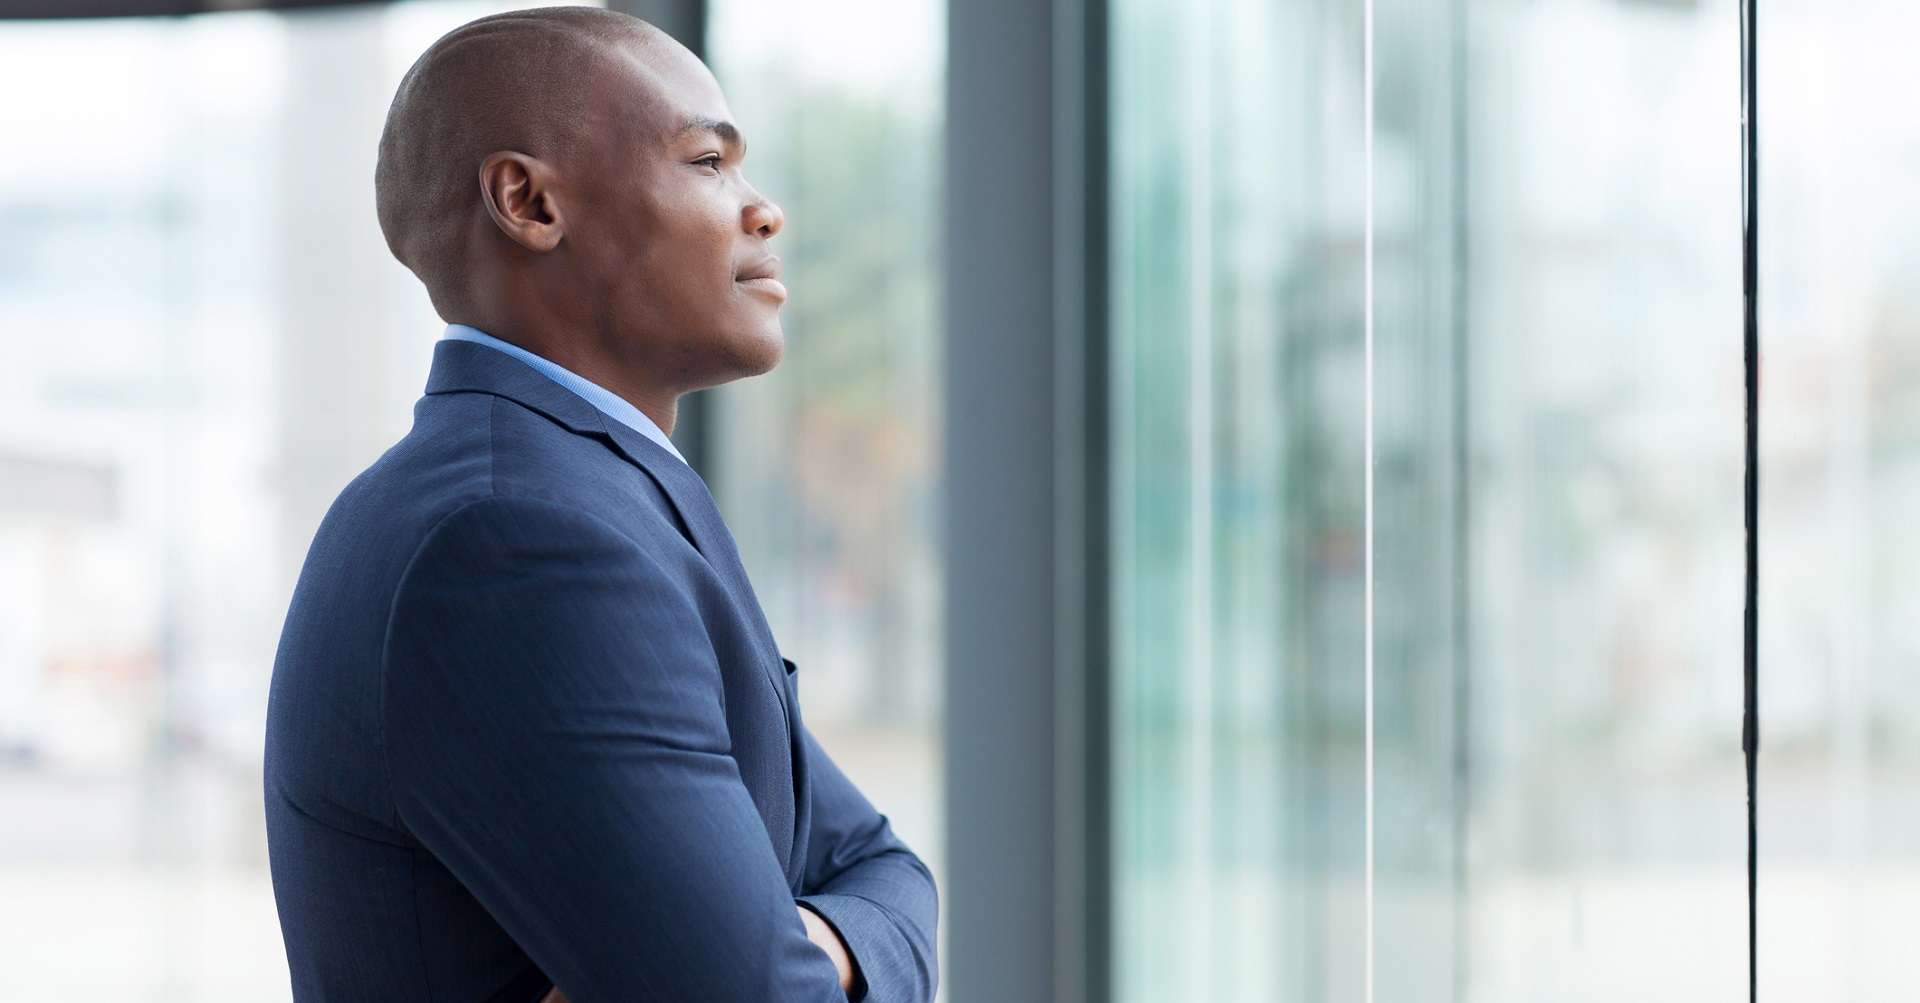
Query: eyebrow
{"points": [[727, 131]]}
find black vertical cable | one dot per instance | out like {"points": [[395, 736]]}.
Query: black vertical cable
{"points": [[1750, 729]]}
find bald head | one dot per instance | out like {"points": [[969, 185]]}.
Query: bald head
{"points": [[572, 181], [520, 81]]}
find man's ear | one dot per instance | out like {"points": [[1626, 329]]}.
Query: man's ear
{"points": [[518, 190]]}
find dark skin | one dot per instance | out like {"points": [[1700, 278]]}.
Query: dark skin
{"points": [[640, 259], [636, 256]]}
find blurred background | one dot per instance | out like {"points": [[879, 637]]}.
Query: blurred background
{"points": [[1106, 256]]}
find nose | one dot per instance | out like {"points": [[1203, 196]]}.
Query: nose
{"points": [[761, 216]]}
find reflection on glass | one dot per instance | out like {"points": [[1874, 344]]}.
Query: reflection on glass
{"points": [[1237, 435], [1602, 464], [1421, 536], [826, 467], [1840, 759], [1559, 792]]}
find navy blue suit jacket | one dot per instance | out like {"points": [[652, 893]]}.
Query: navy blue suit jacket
{"points": [[529, 726]]}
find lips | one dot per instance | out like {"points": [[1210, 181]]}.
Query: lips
{"points": [[766, 268], [762, 276]]}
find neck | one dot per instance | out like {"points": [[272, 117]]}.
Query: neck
{"points": [[579, 354], [515, 311], [555, 315]]}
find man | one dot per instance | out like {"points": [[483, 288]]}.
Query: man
{"points": [[529, 733]]}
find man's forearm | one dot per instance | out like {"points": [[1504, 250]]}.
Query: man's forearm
{"points": [[818, 930]]}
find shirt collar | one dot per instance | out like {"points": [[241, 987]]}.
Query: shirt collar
{"points": [[605, 401]]}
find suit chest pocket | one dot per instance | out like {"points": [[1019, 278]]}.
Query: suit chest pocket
{"points": [[793, 680]]}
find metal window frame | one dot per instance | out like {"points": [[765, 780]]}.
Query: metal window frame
{"points": [[1028, 706]]}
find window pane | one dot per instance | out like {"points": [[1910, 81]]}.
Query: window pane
{"points": [[1840, 764], [1421, 411], [1556, 406], [1237, 291], [1601, 438]]}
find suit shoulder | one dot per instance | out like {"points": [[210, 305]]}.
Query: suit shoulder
{"points": [[470, 447], [446, 450]]}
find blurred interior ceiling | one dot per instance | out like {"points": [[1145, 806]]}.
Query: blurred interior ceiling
{"points": [[57, 489], [42, 9], [678, 18]]}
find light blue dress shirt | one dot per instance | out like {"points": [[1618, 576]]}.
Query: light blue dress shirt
{"points": [[606, 401]]}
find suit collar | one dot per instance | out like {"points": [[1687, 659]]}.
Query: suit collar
{"points": [[464, 367]]}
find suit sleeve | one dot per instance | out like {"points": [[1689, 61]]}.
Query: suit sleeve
{"points": [[556, 738], [876, 892]]}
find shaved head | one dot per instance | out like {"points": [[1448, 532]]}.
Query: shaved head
{"points": [[517, 81], [570, 180]]}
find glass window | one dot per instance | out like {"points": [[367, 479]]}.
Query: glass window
{"points": [[1238, 216], [1840, 727], [1555, 415], [1602, 467]]}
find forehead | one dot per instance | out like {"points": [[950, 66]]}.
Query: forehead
{"points": [[663, 89]]}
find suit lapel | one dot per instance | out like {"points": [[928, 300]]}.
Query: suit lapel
{"points": [[690, 497], [461, 366]]}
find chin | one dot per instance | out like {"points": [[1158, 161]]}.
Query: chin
{"points": [[756, 351]]}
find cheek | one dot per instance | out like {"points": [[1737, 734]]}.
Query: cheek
{"points": [[695, 253], [675, 252]]}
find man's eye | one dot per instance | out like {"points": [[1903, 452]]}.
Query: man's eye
{"points": [[711, 160]]}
